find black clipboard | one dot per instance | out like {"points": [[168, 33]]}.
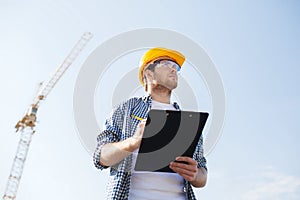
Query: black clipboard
{"points": [[168, 134]]}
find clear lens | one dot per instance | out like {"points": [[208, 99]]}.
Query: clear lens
{"points": [[169, 64]]}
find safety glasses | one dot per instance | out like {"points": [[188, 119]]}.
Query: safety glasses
{"points": [[169, 64]]}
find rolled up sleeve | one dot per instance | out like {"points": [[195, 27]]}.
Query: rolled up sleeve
{"points": [[110, 134], [199, 154]]}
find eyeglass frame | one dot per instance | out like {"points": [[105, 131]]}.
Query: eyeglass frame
{"points": [[158, 62]]}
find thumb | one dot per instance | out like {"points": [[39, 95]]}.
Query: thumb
{"points": [[140, 129]]}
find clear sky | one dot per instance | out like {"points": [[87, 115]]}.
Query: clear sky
{"points": [[254, 45]]}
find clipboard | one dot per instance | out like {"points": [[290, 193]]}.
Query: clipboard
{"points": [[168, 134]]}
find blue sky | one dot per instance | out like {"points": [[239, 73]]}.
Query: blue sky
{"points": [[254, 44]]}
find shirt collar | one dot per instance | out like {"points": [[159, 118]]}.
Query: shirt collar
{"points": [[148, 99]]}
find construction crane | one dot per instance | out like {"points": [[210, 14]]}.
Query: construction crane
{"points": [[26, 126]]}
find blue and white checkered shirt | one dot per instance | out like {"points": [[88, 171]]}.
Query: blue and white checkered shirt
{"points": [[121, 125]]}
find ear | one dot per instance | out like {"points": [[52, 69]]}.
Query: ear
{"points": [[148, 75]]}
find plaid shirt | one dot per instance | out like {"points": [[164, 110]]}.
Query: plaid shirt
{"points": [[121, 125]]}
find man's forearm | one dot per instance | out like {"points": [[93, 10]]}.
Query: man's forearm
{"points": [[113, 153], [200, 179]]}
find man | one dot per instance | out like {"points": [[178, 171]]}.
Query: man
{"points": [[118, 143]]}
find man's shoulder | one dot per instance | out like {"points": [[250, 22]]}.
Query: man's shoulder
{"points": [[131, 102]]}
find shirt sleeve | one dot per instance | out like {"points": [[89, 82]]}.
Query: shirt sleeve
{"points": [[111, 133], [199, 155]]}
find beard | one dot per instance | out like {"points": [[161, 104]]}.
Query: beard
{"points": [[167, 84]]}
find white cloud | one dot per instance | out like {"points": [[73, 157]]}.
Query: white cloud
{"points": [[274, 185]]}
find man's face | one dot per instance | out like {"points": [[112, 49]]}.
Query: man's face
{"points": [[165, 74]]}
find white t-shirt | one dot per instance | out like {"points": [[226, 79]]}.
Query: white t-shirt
{"points": [[155, 185]]}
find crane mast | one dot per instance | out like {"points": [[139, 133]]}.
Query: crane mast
{"points": [[26, 126]]}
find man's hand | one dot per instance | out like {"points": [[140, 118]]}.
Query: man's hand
{"points": [[135, 140], [189, 171], [113, 153]]}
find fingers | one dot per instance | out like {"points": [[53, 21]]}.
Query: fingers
{"points": [[186, 159], [135, 140], [187, 170], [186, 174], [140, 130]]}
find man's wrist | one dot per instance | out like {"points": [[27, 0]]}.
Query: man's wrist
{"points": [[130, 144], [201, 177]]}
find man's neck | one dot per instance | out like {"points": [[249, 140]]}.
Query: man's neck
{"points": [[161, 95]]}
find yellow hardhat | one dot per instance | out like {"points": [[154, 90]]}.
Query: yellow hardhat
{"points": [[157, 53]]}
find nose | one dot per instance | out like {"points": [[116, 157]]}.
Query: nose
{"points": [[173, 68]]}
